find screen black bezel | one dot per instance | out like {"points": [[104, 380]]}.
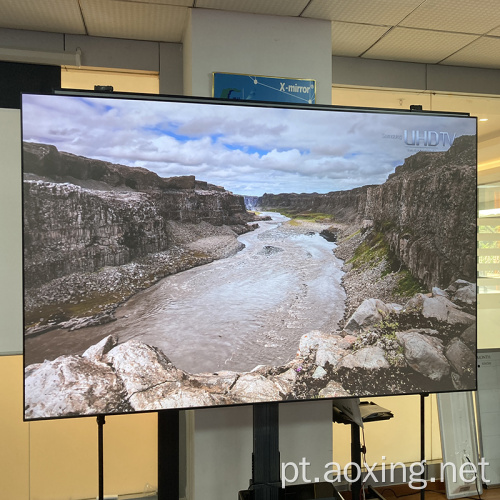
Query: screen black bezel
{"points": [[233, 102]]}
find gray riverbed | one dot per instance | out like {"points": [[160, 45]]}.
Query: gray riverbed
{"points": [[235, 313]]}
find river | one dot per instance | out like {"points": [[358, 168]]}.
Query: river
{"points": [[232, 314]]}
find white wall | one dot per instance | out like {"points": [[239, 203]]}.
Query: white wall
{"points": [[355, 71], [11, 293], [171, 78], [222, 459], [306, 432], [31, 40], [231, 42], [114, 52]]}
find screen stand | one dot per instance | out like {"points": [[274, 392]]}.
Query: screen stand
{"points": [[266, 483], [168, 455], [100, 452]]}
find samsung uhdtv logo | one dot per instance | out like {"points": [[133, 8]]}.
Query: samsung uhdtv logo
{"points": [[428, 138]]}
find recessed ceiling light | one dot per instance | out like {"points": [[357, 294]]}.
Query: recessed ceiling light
{"points": [[483, 119]]}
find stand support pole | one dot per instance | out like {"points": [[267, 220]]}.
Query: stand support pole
{"points": [[266, 483], [100, 451], [168, 455], [356, 486]]}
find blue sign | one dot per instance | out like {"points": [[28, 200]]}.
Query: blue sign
{"points": [[263, 88]]}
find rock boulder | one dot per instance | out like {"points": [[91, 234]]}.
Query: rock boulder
{"points": [[73, 385], [424, 354], [369, 313]]}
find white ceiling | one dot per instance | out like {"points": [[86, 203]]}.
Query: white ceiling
{"points": [[449, 32], [446, 32]]}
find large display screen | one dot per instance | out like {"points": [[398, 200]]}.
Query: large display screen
{"points": [[187, 253]]}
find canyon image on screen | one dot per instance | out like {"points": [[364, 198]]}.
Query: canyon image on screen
{"points": [[188, 253]]}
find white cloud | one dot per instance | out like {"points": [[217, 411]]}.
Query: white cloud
{"points": [[239, 147]]}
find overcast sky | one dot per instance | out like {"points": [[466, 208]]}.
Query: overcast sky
{"points": [[247, 150]]}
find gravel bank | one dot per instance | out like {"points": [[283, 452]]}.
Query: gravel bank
{"points": [[368, 280]]}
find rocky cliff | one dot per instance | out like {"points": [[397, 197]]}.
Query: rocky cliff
{"points": [[346, 206], [425, 210], [82, 214]]}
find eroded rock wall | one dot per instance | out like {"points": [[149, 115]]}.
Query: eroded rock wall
{"points": [[346, 206], [429, 220], [82, 214], [426, 210]]}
